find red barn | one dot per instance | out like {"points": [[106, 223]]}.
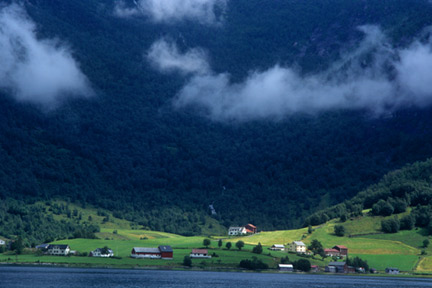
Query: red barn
{"points": [[166, 252]]}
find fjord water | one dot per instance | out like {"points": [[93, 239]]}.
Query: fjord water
{"points": [[36, 277]]}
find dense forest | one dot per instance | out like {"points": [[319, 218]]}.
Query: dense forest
{"points": [[410, 186], [128, 149]]}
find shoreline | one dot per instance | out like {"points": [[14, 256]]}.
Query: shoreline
{"points": [[208, 269]]}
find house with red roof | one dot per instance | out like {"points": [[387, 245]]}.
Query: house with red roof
{"points": [[332, 252], [199, 253], [343, 251], [251, 229]]}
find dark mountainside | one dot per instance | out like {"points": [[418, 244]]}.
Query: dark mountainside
{"points": [[129, 150]]}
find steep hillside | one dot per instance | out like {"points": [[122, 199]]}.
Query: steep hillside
{"points": [[394, 194], [126, 147]]}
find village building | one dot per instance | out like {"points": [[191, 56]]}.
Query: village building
{"points": [[337, 267], [251, 229], [286, 267], [144, 252], [166, 252], [315, 268], [235, 231], [162, 252], [42, 246], [2, 242], [392, 270], [332, 252], [343, 251], [199, 253], [58, 249], [297, 247], [101, 252], [277, 247]]}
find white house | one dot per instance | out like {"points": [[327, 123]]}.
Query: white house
{"points": [[199, 253], [234, 231], [392, 270], [286, 267], [58, 249], [100, 252], [277, 247], [2, 242], [297, 247]]}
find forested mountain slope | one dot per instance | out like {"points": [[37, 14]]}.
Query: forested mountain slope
{"points": [[129, 146]]}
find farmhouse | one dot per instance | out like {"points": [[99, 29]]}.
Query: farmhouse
{"points": [[102, 252], [166, 252], [392, 270], [199, 253], [331, 252], [343, 251], [277, 247], [251, 229], [337, 267], [297, 247], [162, 252], [286, 267], [42, 246], [234, 231], [144, 252], [237, 230], [58, 249]]}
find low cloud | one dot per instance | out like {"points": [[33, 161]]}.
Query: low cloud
{"points": [[375, 77], [35, 70], [204, 11], [122, 10], [166, 57]]}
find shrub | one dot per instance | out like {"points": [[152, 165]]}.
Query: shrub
{"points": [[239, 244], [254, 264], [228, 245], [339, 230], [206, 242], [187, 261], [407, 223], [302, 265], [258, 249], [390, 225]]}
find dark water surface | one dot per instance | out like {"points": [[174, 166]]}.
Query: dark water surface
{"points": [[36, 277]]}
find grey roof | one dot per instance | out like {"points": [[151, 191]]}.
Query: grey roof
{"points": [[42, 246], [146, 250], [299, 243], [100, 250], [336, 264], [165, 248], [59, 246]]}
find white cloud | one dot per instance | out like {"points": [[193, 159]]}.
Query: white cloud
{"points": [[374, 77], [123, 11], [166, 57], [204, 11], [35, 70]]}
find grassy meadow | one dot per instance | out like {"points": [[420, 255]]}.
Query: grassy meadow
{"points": [[363, 238]]}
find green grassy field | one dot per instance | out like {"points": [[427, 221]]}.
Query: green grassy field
{"points": [[401, 250]]}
